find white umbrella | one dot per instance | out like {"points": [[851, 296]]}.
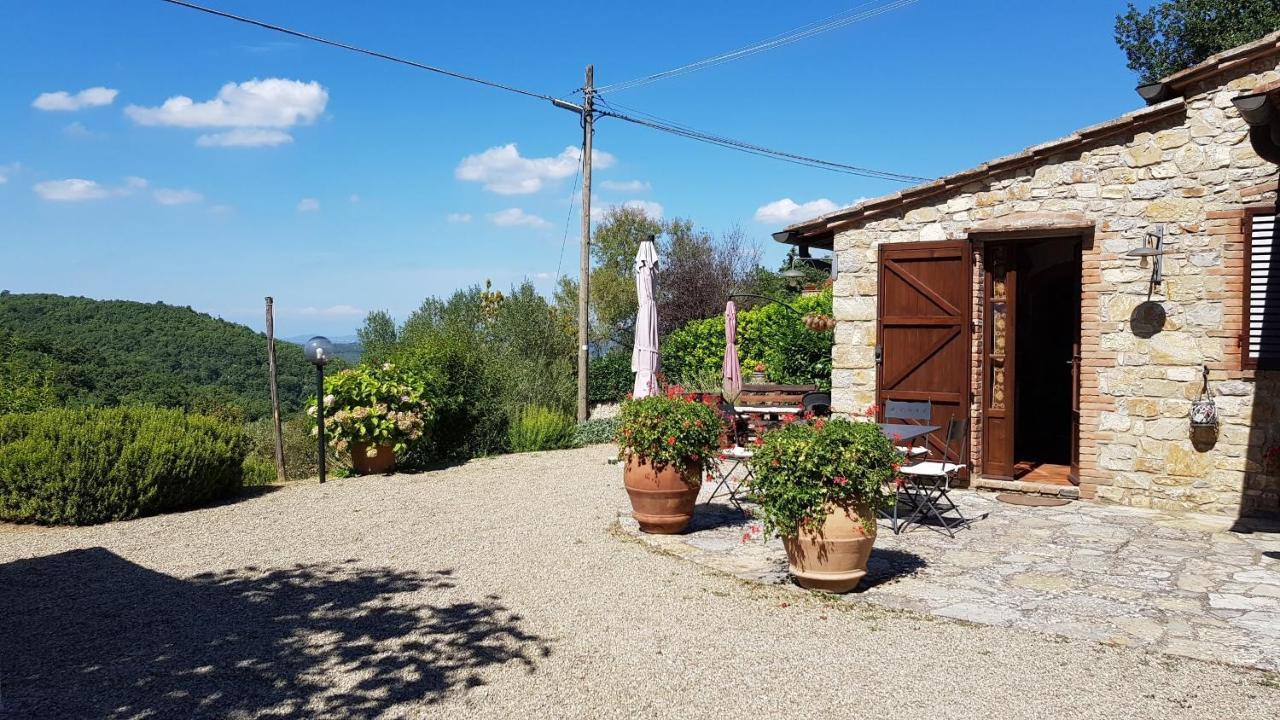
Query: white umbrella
{"points": [[644, 356]]}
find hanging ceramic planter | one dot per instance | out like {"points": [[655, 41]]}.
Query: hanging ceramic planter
{"points": [[1204, 412]]}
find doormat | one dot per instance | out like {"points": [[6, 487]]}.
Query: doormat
{"points": [[1032, 500]]}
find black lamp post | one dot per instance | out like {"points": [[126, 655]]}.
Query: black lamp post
{"points": [[318, 350]]}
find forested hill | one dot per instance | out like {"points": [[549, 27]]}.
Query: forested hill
{"points": [[79, 351]]}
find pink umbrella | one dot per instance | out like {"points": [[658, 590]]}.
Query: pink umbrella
{"points": [[732, 371], [644, 356]]}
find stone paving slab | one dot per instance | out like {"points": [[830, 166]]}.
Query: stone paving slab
{"points": [[1180, 584]]}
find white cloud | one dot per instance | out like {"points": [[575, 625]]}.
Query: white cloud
{"points": [[65, 101], [8, 171], [332, 311], [787, 211], [259, 110], [78, 189], [626, 185], [169, 196], [308, 205], [71, 190], [504, 171], [78, 131], [245, 137], [458, 217], [512, 217]]}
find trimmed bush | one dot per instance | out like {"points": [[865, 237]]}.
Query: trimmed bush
{"points": [[541, 428], [609, 378], [81, 467], [770, 334]]}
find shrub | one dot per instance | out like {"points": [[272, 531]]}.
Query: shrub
{"points": [[669, 429], [541, 428], [299, 447], [259, 471], [595, 431], [379, 406], [80, 467], [801, 467], [771, 334], [609, 378]]}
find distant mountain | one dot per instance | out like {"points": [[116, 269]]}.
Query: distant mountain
{"points": [[111, 352], [347, 347]]}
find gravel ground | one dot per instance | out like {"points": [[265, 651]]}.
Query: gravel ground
{"points": [[497, 589]]}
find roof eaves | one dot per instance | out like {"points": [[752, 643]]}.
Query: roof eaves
{"points": [[1223, 61]]}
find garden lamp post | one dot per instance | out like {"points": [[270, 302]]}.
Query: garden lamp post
{"points": [[318, 350]]}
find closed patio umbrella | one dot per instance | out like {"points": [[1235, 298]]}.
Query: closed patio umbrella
{"points": [[644, 356], [731, 371]]}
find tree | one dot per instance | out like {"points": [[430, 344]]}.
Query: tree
{"points": [[700, 272], [378, 337], [1176, 34]]}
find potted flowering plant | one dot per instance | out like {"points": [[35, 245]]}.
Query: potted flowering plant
{"points": [[819, 485], [667, 442], [373, 412]]}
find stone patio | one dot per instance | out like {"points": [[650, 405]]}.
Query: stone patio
{"points": [[1179, 584]]}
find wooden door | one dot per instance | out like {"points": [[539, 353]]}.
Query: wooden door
{"points": [[1000, 296], [923, 328]]}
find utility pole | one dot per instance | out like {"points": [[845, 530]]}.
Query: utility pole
{"points": [[276, 433], [584, 269]]}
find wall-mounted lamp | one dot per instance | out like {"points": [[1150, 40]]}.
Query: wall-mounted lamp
{"points": [[1152, 249]]}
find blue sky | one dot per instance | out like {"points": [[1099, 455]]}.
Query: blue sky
{"points": [[341, 184]]}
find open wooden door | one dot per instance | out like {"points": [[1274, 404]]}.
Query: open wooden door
{"points": [[1000, 297], [923, 328]]}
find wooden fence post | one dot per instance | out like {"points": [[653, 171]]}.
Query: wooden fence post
{"points": [[275, 393]]}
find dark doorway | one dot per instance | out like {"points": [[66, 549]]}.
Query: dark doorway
{"points": [[1047, 328]]}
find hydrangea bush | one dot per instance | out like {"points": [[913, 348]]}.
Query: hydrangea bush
{"points": [[377, 405], [801, 467]]}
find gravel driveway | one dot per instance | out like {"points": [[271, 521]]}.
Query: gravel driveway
{"points": [[496, 589]]}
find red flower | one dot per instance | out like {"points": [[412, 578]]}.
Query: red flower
{"points": [[872, 410], [759, 441], [671, 440], [776, 462], [819, 424], [896, 437], [790, 418], [695, 458], [746, 536], [840, 480]]}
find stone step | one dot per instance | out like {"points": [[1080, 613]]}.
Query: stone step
{"points": [[1034, 488]]}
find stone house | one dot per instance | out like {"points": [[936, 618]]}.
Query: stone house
{"points": [[1070, 300]]}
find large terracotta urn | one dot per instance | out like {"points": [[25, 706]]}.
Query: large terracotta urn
{"points": [[833, 557], [379, 464], [662, 496]]}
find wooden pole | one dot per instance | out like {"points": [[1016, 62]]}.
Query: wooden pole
{"points": [[275, 393], [584, 269]]}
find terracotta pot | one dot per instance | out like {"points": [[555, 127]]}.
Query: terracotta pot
{"points": [[833, 559], [379, 464], [662, 498]]}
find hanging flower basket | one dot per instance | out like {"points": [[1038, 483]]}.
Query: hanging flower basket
{"points": [[819, 323]]}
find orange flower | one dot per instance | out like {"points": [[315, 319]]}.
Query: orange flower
{"points": [[671, 440]]}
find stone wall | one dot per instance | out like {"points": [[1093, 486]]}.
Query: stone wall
{"points": [[1192, 171]]}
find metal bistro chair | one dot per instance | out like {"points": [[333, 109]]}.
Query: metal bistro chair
{"points": [[928, 483], [918, 411], [736, 455]]}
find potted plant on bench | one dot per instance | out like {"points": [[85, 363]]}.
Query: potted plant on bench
{"points": [[667, 442], [819, 484]]}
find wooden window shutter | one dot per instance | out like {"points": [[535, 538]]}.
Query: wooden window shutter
{"points": [[1260, 344]]}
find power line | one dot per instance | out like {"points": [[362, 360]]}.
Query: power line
{"points": [[653, 122], [356, 49], [803, 32], [753, 149]]}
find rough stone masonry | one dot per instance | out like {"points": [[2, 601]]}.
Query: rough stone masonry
{"points": [[1186, 164]]}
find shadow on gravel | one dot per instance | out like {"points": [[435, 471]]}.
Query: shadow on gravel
{"points": [[89, 634], [887, 564]]}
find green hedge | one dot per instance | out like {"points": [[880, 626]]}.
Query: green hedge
{"points": [[770, 334], [609, 378], [80, 467]]}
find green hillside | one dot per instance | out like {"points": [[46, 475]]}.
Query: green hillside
{"points": [[78, 351]]}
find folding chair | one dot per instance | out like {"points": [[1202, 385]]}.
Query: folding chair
{"points": [[739, 457], [922, 412], [926, 484]]}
